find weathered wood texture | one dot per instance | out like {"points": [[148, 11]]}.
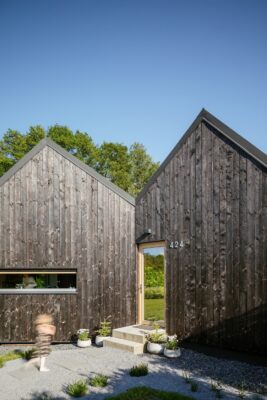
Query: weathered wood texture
{"points": [[213, 197], [53, 215]]}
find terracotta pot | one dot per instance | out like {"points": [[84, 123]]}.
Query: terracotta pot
{"points": [[155, 348], [172, 353], [84, 343]]}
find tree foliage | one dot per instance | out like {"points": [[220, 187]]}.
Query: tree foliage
{"points": [[129, 168]]}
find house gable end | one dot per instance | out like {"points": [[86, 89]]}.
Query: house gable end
{"points": [[50, 143]]}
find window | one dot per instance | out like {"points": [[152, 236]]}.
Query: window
{"points": [[37, 281]]}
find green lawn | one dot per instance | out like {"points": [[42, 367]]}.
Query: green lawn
{"points": [[145, 393], [154, 309]]}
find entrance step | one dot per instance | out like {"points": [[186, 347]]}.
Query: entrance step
{"points": [[130, 338], [132, 333], [122, 344]]}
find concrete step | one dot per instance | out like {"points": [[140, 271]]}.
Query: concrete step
{"points": [[130, 333], [122, 344]]}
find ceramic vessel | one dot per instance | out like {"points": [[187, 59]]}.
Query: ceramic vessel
{"points": [[84, 343], [155, 348], [172, 353], [99, 340]]}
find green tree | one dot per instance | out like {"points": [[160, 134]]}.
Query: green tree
{"points": [[85, 149], [114, 164], [130, 169], [12, 148], [142, 168], [34, 135], [63, 136]]}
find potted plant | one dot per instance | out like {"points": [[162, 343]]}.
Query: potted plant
{"points": [[172, 349], [84, 339], [156, 341], [102, 332]]}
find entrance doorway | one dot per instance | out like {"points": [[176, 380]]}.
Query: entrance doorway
{"points": [[151, 275]]}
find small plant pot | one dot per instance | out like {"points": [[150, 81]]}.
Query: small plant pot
{"points": [[155, 348], [172, 353], [99, 340], [84, 343]]}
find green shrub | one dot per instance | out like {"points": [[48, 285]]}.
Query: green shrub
{"points": [[99, 381], [77, 389], [156, 336], [242, 390], [27, 354], [2, 363], [154, 292], [105, 328], [139, 370], [194, 387], [84, 335], [172, 343]]}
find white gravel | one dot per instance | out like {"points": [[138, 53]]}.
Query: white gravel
{"points": [[68, 363]]}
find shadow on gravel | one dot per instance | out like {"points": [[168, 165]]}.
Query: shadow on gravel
{"points": [[43, 396]]}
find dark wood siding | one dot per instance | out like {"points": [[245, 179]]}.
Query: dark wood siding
{"points": [[54, 215], [213, 197]]}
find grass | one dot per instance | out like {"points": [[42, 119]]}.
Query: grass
{"points": [[99, 381], [186, 377], [194, 387], [11, 355], [242, 390], [154, 309], [216, 387], [146, 393], [78, 388], [139, 370]]}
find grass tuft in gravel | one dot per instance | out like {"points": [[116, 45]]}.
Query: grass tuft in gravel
{"points": [[146, 393], [78, 388], [216, 387], [99, 381], [186, 377], [194, 387], [139, 370], [242, 390], [27, 354]]}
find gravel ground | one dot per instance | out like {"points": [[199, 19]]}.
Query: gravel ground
{"points": [[68, 363]]}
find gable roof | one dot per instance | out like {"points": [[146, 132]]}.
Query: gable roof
{"points": [[227, 132], [90, 171]]}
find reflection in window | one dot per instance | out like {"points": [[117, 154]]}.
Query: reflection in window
{"points": [[37, 280]]}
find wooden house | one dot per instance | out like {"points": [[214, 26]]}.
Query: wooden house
{"points": [[69, 240], [208, 204], [67, 246]]}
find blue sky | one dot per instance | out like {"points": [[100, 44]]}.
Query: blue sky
{"points": [[130, 70]]}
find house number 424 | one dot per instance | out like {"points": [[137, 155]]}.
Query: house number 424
{"points": [[176, 244]]}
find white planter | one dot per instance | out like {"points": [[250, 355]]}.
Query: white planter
{"points": [[172, 353], [155, 348], [84, 343], [99, 340]]}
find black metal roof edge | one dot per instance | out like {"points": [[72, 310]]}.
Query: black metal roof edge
{"points": [[48, 142], [225, 130]]}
